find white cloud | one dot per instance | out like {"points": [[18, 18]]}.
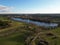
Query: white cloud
{"points": [[5, 8], [52, 8]]}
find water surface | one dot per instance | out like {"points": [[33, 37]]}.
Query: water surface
{"points": [[44, 24]]}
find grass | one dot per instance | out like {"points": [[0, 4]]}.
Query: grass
{"points": [[50, 39], [14, 39], [18, 38]]}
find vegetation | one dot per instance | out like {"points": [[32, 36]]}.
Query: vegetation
{"points": [[20, 33]]}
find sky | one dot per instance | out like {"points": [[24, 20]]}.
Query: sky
{"points": [[29, 6]]}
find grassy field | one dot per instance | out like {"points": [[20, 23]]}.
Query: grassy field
{"points": [[16, 38], [17, 33]]}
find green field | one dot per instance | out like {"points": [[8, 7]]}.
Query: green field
{"points": [[16, 38], [18, 32]]}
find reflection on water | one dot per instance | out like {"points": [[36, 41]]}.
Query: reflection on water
{"points": [[37, 23]]}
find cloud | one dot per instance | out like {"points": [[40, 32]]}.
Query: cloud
{"points": [[5, 8], [52, 8]]}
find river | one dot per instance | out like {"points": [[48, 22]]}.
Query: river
{"points": [[43, 24]]}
